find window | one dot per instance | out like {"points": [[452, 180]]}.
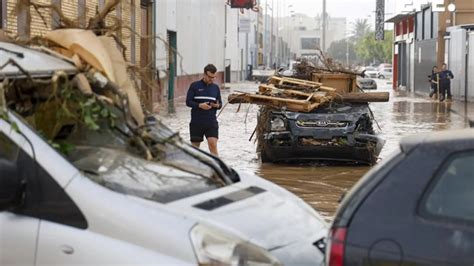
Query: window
{"points": [[452, 194], [45, 199]]}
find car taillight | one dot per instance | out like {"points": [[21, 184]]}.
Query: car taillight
{"points": [[336, 246]]}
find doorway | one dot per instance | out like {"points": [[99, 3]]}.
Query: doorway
{"points": [[147, 82]]}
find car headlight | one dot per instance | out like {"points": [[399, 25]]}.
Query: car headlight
{"points": [[277, 124], [217, 248]]}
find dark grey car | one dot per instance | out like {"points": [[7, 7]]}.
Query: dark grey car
{"points": [[415, 208], [339, 132]]}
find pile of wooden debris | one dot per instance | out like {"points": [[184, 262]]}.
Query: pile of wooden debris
{"points": [[302, 95]]}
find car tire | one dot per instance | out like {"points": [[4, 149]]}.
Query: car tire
{"points": [[381, 77]]}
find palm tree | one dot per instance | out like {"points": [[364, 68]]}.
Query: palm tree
{"points": [[360, 29]]}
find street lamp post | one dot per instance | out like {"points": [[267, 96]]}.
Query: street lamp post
{"points": [[452, 10]]}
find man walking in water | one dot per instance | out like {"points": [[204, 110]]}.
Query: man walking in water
{"points": [[445, 77], [204, 98]]}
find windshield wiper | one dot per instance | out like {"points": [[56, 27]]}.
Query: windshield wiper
{"points": [[18, 54]]}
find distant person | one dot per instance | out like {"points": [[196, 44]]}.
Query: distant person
{"points": [[204, 98], [434, 81], [445, 77]]}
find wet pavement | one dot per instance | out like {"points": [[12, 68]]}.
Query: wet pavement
{"points": [[320, 185]]}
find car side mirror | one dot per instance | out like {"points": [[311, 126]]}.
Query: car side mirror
{"points": [[11, 188]]}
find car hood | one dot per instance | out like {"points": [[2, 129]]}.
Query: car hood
{"points": [[260, 212], [257, 211]]}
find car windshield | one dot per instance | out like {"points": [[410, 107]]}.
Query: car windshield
{"points": [[107, 158], [370, 69], [131, 175]]}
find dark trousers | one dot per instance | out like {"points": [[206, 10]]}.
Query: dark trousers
{"points": [[443, 90]]}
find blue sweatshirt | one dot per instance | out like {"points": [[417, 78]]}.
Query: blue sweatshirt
{"points": [[200, 92], [445, 77]]}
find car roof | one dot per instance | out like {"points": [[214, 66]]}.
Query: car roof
{"points": [[36, 63], [446, 137]]}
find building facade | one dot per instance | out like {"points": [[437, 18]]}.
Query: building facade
{"points": [[303, 33], [431, 36]]}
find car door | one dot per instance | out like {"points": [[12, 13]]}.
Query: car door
{"points": [[447, 210], [18, 233]]}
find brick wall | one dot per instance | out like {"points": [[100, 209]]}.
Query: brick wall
{"points": [[40, 24]]}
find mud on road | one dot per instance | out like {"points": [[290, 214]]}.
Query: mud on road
{"points": [[320, 185]]}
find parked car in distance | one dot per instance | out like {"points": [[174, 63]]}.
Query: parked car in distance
{"points": [[366, 83], [385, 73], [371, 72], [414, 208], [384, 65]]}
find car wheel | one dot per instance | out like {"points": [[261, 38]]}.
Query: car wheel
{"points": [[381, 77]]}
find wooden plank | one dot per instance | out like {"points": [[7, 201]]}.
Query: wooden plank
{"points": [[290, 104], [363, 97], [327, 89], [270, 89], [303, 82]]}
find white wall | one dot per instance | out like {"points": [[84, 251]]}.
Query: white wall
{"points": [[457, 61], [250, 40], [232, 51], [199, 26]]}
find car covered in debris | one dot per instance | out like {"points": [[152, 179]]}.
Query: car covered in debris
{"points": [[85, 180], [338, 132]]}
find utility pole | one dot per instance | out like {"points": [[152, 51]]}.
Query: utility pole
{"points": [[225, 42], [347, 45], [323, 45], [265, 35], [271, 38]]}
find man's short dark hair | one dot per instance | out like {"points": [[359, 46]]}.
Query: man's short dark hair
{"points": [[211, 68]]}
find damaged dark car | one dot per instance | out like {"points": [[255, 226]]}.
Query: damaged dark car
{"points": [[340, 132]]}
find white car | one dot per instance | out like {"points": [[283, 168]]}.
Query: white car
{"points": [[385, 73], [101, 204], [371, 72]]}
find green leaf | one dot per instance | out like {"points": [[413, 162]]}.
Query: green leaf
{"points": [[104, 113], [15, 127]]}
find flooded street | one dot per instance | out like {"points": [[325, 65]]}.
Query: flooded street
{"points": [[320, 185]]}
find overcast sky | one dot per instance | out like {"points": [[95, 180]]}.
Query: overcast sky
{"points": [[351, 9]]}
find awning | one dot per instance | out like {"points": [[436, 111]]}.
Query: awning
{"points": [[399, 17]]}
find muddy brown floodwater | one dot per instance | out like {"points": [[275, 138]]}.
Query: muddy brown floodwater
{"points": [[321, 186]]}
